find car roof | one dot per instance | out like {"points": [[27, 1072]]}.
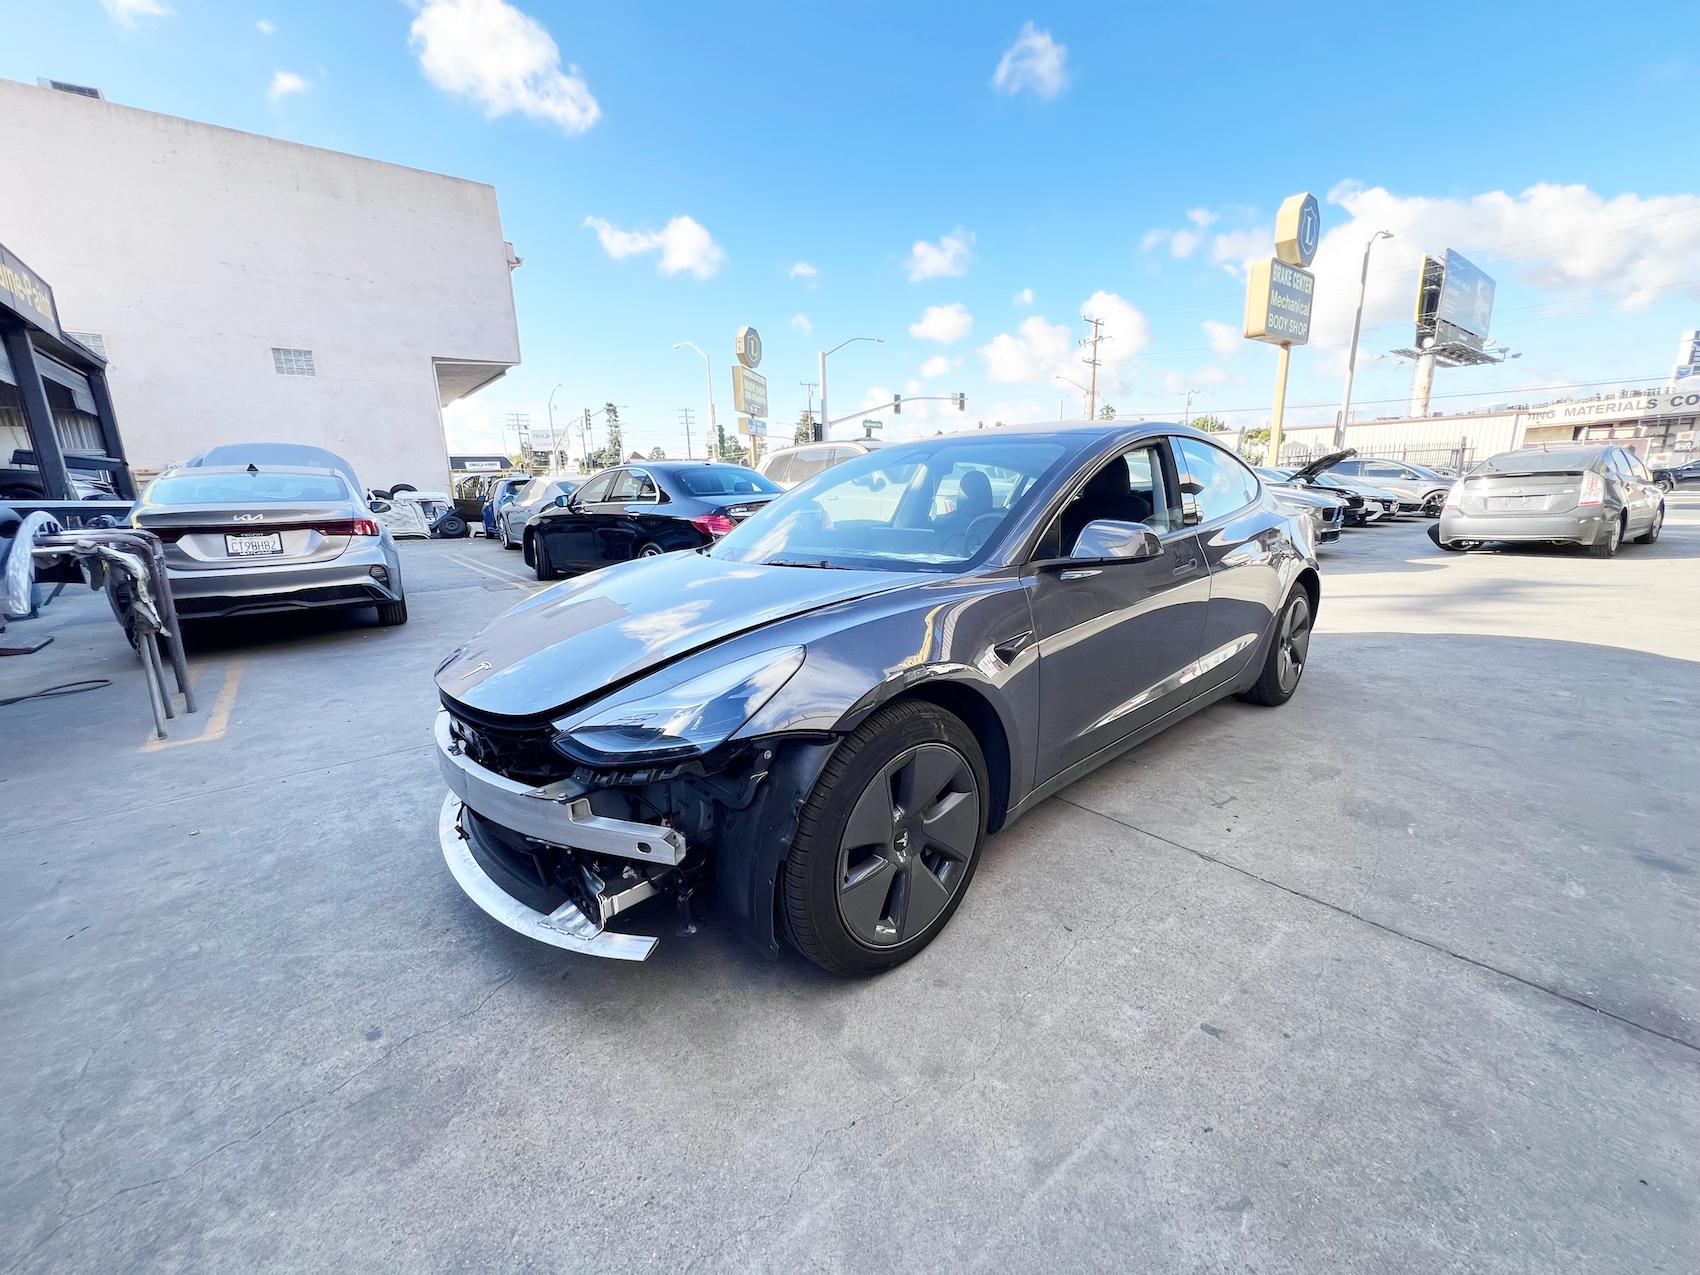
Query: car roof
{"points": [[274, 455], [1531, 459], [189, 469]]}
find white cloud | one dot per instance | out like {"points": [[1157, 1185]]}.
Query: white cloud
{"points": [[285, 84], [1034, 62], [683, 244], [1225, 339], [1023, 299], [936, 366], [265, 26], [1039, 350], [1184, 242], [802, 270], [1233, 249], [505, 60], [801, 323], [944, 259], [125, 12], [943, 323], [1035, 351]]}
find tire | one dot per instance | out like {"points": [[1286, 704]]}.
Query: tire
{"points": [[452, 527], [1651, 535], [1289, 652], [391, 614], [402, 487], [508, 534], [538, 557], [1607, 548], [649, 549], [936, 840]]}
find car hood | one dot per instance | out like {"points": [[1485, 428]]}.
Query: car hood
{"points": [[605, 628], [1323, 462]]}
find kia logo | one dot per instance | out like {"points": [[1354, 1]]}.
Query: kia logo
{"points": [[249, 517]]}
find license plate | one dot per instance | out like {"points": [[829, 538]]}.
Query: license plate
{"points": [[254, 546]]}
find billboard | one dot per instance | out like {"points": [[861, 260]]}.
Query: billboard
{"points": [[1687, 357], [1454, 303]]}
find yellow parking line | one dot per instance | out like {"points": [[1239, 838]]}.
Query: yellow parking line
{"points": [[217, 721], [503, 576]]}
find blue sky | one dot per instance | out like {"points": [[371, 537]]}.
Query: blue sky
{"points": [[663, 169]]}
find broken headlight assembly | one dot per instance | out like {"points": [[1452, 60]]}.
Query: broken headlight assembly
{"points": [[687, 719]]}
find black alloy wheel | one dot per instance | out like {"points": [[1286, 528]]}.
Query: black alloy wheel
{"points": [[650, 550], [887, 842], [1289, 650]]}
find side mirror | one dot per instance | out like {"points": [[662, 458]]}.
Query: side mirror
{"points": [[564, 501], [1109, 541], [378, 506]]}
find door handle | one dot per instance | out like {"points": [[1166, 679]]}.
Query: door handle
{"points": [[1080, 573], [1009, 648], [1190, 565]]}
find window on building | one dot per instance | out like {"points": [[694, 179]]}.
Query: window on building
{"points": [[286, 362], [89, 340]]}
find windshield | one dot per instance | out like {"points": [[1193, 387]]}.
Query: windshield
{"points": [[930, 506], [267, 487], [727, 480]]}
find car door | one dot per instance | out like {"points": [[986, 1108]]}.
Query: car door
{"points": [[612, 527], [1641, 493], [1243, 546], [1116, 639], [568, 530], [637, 524]]}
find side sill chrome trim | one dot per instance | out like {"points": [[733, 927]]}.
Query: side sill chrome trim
{"points": [[565, 927]]}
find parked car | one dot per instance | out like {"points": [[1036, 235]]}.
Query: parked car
{"points": [[819, 718], [1598, 496], [642, 511], [1670, 477], [1326, 508], [254, 538], [1373, 504], [501, 492], [526, 503], [792, 465], [1419, 490]]}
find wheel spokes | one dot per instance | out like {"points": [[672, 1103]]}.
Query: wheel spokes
{"points": [[870, 823], [953, 825], [925, 897], [866, 896]]}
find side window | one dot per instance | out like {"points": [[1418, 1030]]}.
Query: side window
{"points": [[647, 489], [1347, 467], [1638, 468], [1382, 469], [625, 486], [1131, 487], [779, 469], [596, 489], [1216, 484], [806, 464]]}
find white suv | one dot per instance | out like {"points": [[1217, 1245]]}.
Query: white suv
{"points": [[793, 465]]}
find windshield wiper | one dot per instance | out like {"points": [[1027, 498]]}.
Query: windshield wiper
{"points": [[821, 564]]}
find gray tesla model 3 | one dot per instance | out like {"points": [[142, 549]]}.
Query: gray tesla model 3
{"points": [[816, 721]]}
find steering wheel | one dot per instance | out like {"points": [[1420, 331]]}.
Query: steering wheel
{"points": [[975, 535]]}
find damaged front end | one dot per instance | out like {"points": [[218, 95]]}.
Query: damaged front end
{"points": [[558, 829]]}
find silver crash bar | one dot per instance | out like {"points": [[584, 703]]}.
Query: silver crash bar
{"points": [[566, 927], [558, 813]]}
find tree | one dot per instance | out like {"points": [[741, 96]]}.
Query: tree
{"points": [[655, 453], [615, 446], [1107, 412], [720, 447], [1254, 443], [805, 431], [733, 451], [1209, 424]]}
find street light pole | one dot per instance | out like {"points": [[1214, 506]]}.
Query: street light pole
{"points": [[554, 442], [1352, 354], [826, 416], [1077, 385], [713, 420]]}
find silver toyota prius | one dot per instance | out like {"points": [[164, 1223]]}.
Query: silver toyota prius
{"points": [[1596, 496], [249, 539]]}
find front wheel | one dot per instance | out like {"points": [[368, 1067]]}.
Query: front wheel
{"points": [[508, 534], [1284, 664], [887, 841]]}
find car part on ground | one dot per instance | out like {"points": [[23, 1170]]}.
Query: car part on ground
{"points": [[1595, 496], [646, 510], [252, 540], [817, 719]]}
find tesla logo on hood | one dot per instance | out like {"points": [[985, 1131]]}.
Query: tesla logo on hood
{"points": [[482, 667]]}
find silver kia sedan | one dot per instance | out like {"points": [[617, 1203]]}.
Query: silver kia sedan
{"points": [[1597, 496], [243, 540]]}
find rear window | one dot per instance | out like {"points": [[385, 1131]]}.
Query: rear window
{"points": [[726, 480], [265, 487], [1540, 462]]}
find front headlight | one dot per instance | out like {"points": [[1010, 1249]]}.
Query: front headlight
{"points": [[678, 721]]}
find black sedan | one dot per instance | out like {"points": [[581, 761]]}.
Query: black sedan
{"points": [[816, 722], [643, 511]]}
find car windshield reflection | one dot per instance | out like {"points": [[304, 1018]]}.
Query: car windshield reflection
{"points": [[930, 506]]}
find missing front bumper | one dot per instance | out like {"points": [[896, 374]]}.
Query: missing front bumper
{"points": [[567, 926]]}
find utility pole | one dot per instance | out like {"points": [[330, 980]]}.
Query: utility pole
{"points": [[1093, 362], [520, 423], [1186, 417], [809, 389], [1352, 354], [685, 420]]}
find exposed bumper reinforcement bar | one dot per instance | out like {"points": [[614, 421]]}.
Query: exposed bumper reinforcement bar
{"points": [[557, 813], [566, 927]]}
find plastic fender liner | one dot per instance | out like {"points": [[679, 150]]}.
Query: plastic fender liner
{"points": [[753, 844]]}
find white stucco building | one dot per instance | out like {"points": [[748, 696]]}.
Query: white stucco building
{"points": [[245, 288]]}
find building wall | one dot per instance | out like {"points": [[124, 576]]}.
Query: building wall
{"points": [[193, 250]]}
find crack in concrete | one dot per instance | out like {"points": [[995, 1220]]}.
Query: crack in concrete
{"points": [[282, 1115], [1431, 944]]}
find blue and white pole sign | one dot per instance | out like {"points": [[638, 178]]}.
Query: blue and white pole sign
{"points": [[1298, 229]]}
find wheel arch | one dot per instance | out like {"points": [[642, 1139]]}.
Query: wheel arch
{"points": [[965, 701]]}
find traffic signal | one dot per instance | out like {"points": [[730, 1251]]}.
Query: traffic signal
{"points": [[897, 405], [962, 402]]}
